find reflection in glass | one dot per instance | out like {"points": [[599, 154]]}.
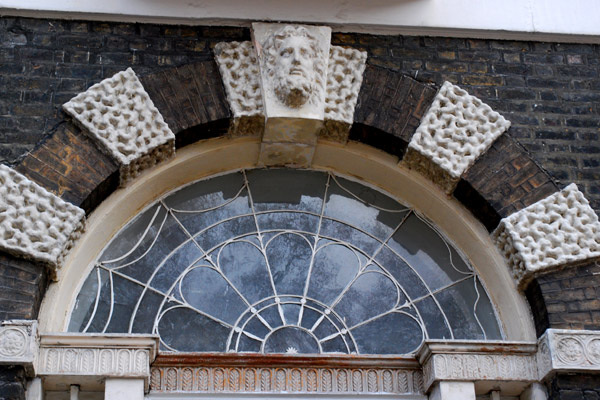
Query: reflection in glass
{"points": [[283, 261]]}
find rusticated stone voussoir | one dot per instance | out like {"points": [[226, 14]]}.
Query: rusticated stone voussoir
{"points": [[34, 223], [121, 117], [557, 231], [456, 130]]}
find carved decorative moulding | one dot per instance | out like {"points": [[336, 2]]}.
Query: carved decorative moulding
{"points": [[478, 361], [18, 343], [559, 230], [119, 114], [35, 223], [95, 356], [294, 375], [290, 86], [456, 130], [568, 351]]}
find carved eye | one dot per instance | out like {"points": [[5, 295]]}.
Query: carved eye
{"points": [[286, 52]]}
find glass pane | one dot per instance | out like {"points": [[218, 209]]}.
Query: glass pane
{"points": [[428, 253], [458, 303], [285, 261]]}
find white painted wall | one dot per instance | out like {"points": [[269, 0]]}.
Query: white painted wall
{"points": [[564, 20]]}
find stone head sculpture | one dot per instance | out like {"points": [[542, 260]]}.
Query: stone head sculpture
{"points": [[295, 64]]}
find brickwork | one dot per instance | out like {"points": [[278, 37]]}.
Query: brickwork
{"points": [[12, 383], [571, 298], [550, 92], [574, 387], [70, 165], [188, 96], [22, 287], [507, 179]]}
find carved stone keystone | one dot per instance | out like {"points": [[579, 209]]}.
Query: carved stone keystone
{"points": [[290, 87]]}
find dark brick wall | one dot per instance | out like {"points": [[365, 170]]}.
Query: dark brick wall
{"points": [[574, 387], [568, 299], [22, 287], [44, 63], [551, 92], [12, 383]]}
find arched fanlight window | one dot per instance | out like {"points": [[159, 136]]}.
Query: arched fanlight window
{"points": [[284, 261]]}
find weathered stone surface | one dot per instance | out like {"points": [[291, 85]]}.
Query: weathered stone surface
{"points": [[120, 115], [392, 102], [70, 165], [554, 232], [35, 223], [456, 130], [344, 79]]}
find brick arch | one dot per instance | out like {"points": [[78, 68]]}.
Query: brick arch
{"points": [[191, 99]]}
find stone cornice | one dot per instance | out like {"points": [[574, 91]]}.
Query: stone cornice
{"points": [[95, 356], [477, 361]]}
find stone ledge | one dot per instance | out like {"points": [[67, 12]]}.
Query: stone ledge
{"points": [[90, 358], [495, 361], [565, 350]]}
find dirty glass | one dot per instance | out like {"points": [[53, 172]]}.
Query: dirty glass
{"points": [[284, 261]]}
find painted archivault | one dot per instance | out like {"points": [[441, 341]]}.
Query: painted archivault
{"points": [[447, 135]]}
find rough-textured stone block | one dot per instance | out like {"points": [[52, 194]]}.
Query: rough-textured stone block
{"points": [[70, 165], [120, 115], [559, 230], [34, 223], [238, 64], [344, 79], [456, 130]]}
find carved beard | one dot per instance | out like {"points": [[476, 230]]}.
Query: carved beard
{"points": [[293, 91]]}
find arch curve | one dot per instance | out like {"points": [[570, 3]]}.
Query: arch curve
{"points": [[356, 161]]}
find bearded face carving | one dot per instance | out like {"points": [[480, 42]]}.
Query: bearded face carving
{"points": [[295, 63]]}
